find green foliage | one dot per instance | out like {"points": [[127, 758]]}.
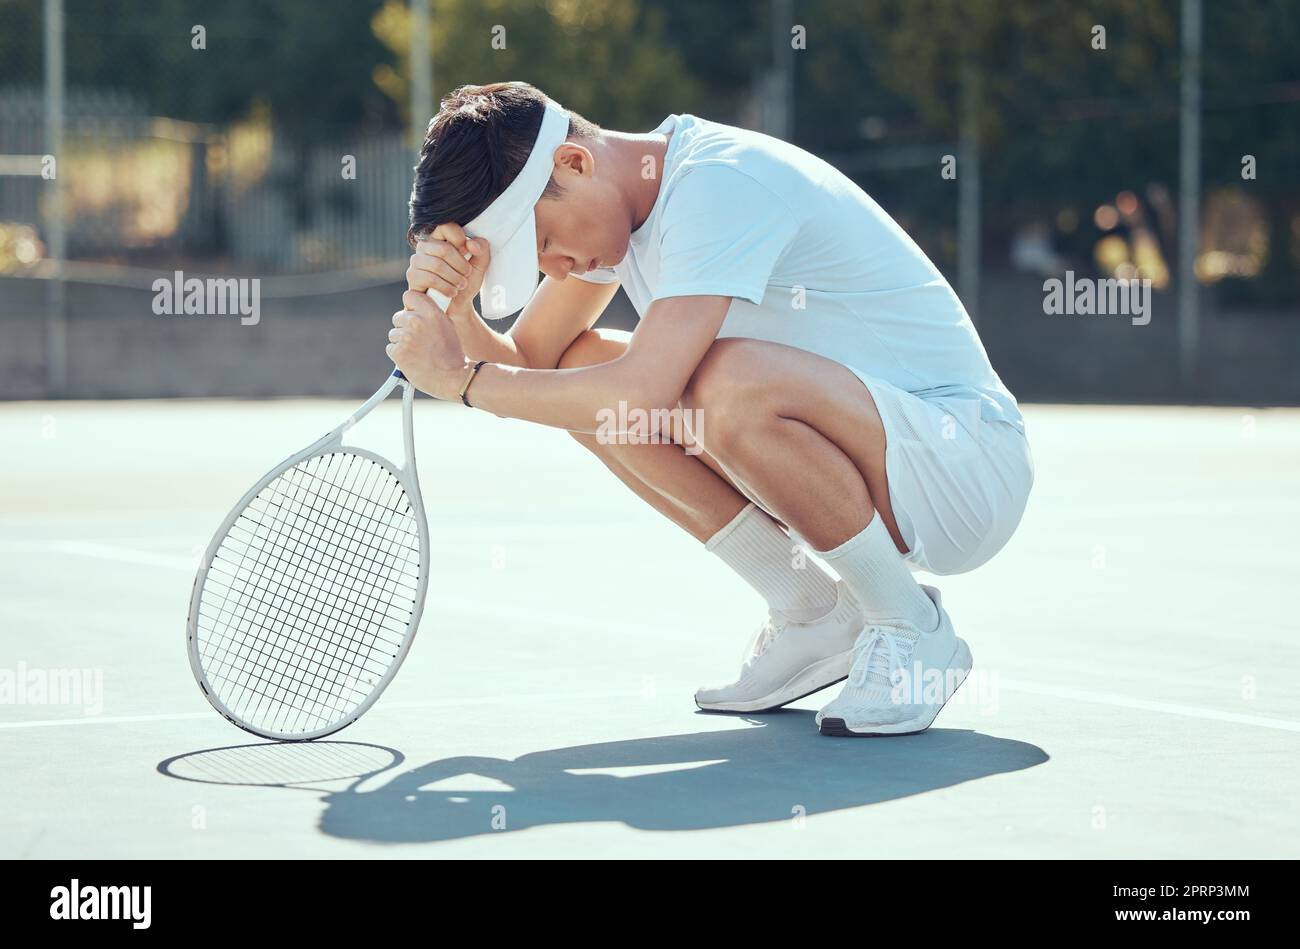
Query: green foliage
{"points": [[1061, 123], [310, 63], [20, 42], [608, 59]]}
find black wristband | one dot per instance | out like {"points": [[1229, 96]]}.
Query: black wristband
{"points": [[473, 374]]}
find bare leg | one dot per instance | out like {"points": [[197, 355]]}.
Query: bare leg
{"points": [[801, 432], [689, 489], [775, 412], [801, 436]]}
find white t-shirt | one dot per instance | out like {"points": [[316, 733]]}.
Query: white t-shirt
{"points": [[811, 261]]}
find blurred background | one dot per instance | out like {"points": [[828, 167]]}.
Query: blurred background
{"points": [[1137, 140]]}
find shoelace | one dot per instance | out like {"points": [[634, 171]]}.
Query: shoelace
{"points": [[872, 664], [768, 632]]}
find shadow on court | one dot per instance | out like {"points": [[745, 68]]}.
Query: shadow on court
{"points": [[778, 770]]}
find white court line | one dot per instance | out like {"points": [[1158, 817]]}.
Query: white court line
{"points": [[105, 720], [1075, 695], [87, 548], [1148, 705], [407, 703], [111, 552]]}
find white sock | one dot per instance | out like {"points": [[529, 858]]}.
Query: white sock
{"points": [[878, 576], [758, 550]]}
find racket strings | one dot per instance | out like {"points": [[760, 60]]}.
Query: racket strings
{"points": [[306, 669], [325, 559], [302, 650], [313, 602], [340, 637], [310, 594]]}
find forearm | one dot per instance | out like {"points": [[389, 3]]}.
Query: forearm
{"points": [[480, 341], [635, 393], [606, 398]]}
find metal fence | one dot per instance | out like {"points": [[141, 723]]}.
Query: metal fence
{"points": [[139, 188]]}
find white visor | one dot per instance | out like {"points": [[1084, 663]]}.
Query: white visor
{"points": [[509, 225]]}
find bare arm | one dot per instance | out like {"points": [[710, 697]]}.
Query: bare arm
{"points": [[478, 339], [651, 375], [552, 320], [558, 312]]}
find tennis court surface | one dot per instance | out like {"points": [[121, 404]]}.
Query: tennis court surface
{"points": [[1134, 691]]}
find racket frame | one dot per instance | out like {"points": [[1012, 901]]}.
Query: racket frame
{"points": [[407, 477]]}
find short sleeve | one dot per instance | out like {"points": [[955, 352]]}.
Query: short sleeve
{"points": [[722, 235]]}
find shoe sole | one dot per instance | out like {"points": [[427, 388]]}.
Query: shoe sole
{"points": [[835, 727], [777, 700]]}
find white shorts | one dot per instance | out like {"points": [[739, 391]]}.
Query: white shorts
{"points": [[958, 483]]}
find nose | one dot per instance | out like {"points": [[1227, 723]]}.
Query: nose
{"points": [[557, 268]]}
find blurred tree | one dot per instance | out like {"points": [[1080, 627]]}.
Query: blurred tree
{"points": [[1064, 125], [308, 67], [723, 47], [20, 42], [1252, 99], [610, 60], [1036, 70], [311, 66]]}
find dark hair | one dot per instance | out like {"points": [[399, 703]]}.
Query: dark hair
{"points": [[476, 145]]}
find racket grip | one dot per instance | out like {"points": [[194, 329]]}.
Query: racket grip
{"points": [[443, 302]]}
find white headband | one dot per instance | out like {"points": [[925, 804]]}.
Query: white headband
{"points": [[509, 225]]}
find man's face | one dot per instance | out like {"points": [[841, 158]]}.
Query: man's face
{"points": [[586, 226]]}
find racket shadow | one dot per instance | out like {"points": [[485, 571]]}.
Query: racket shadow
{"points": [[774, 772], [298, 765]]}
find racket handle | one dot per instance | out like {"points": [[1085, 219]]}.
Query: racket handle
{"points": [[442, 302]]}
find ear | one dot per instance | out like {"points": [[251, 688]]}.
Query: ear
{"points": [[574, 160]]}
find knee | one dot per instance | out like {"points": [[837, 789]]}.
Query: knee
{"points": [[728, 394], [730, 374]]}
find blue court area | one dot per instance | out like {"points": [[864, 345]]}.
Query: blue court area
{"points": [[1133, 692]]}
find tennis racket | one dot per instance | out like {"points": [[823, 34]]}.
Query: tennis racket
{"points": [[308, 597]]}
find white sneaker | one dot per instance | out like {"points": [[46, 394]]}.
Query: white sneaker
{"points": [[900, 679], [788, 660]]}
